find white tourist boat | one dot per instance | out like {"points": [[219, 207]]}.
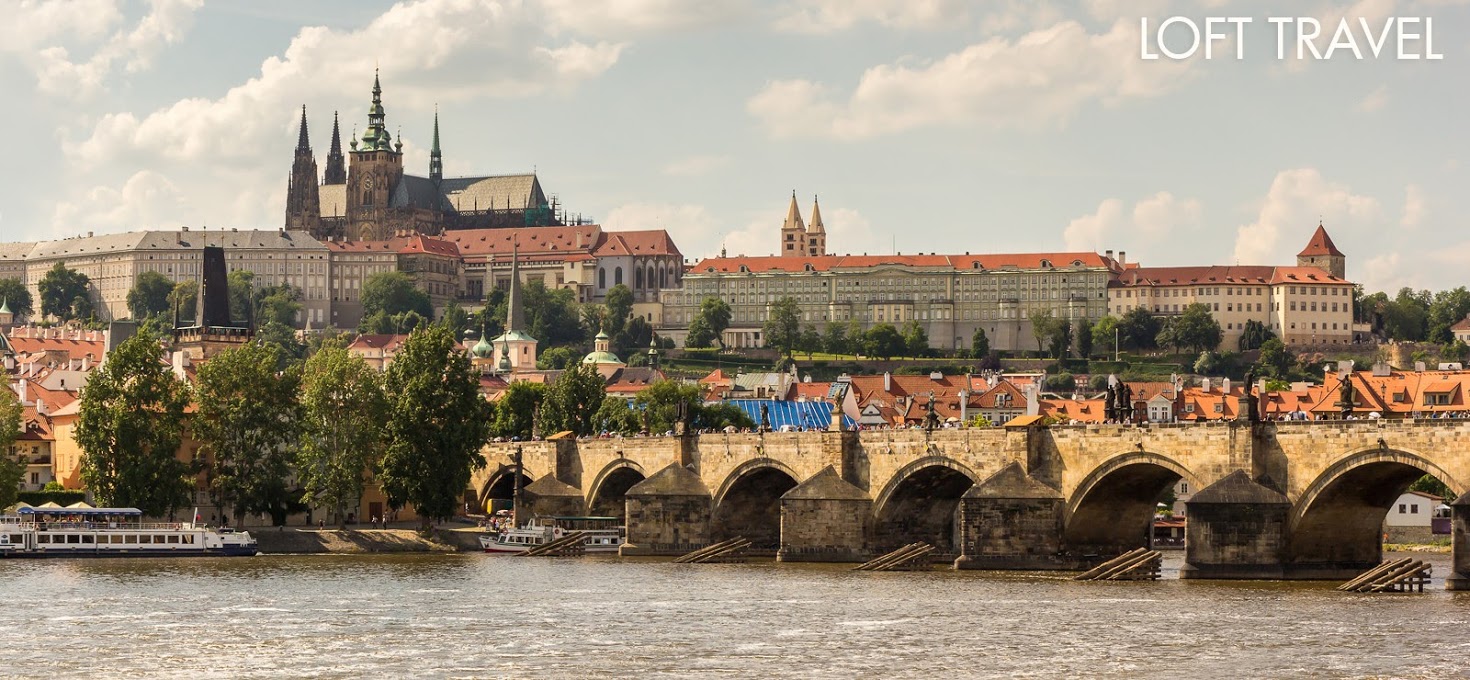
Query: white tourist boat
{"points": [[604, 535], [112, 532]]}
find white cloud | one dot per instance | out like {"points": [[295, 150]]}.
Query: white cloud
{"points": [[1414, 207], [1385, 272], [165, 23], [1040, 79], [1297, 200], [31, 24], [498, 41], [236, 145], [697, 231], [1375, 100], [826, 16], [1114, 226], [692, 166], [147, 199], [620, 18]]}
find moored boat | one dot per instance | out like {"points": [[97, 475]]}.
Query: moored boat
{"points": [[604, 535], [112, 532]]}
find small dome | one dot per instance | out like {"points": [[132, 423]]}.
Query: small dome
{"points": [[482, 349], [601, 358], [601, 335]]}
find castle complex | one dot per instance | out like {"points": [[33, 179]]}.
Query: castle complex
{"points": [[372, 198]]}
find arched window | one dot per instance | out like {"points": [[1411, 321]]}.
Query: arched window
{"points": [[617, 276], [367, 198], [601, 277], [663, 278], [650, 278], [638, 278]]}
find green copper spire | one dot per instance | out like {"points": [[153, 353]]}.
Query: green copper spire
{"points": [[5, 306], [376, 138], [436, 158]]}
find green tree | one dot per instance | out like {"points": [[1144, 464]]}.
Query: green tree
{"points": [[129, 429], [979, 343], [282, 337], [17, 297], [660, 404], [633, 338], [572, 400], [276, 304], [149, 295], [1196, 329], [884, 341], [1405, 318], [783, 326], [343, 409], [437, 422], [1103, 335], [248, 420], [552, 316], [515, 413], [1254, 335], [716, 314], [456, 319], [809, 342], [556, 358], [915, 339], [394, 293], [240, 285], [60, 290], [184, 297], [615, 416], [1083, 331], [1138, 329], [1448, 308], [1275, 360], [1059, 341], [12, 470], [700, 335], [834, 340], [1043, 327], [619, 305], [1431, 485]]}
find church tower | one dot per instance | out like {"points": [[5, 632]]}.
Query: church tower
{"points": [[375, 167], [303, 199], [336, 165], [1322, 253], [816, 233], [436, 159], [793, 232]]}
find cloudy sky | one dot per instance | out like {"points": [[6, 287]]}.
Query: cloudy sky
{"points": [[923, 125]]}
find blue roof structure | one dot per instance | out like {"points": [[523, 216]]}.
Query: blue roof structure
{"points": [[812, 415]]}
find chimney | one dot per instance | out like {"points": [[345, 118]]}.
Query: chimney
{"points": [[1419, 366], [1381, 369], [40, 407], [964, 407], [1033, 405], [9, 363], [1122, 257], [21, 389], [180, 361], [1225, 386], [887, 382], [87, 362], [1204, 384], [1108, 253]]}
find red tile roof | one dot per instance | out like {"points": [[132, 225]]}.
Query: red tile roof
{"points": [[398, 244], [791, 263], [1321, 244], [1218, 274]]}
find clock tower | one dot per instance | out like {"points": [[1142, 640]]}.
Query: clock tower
{"points": [[374, 169]]}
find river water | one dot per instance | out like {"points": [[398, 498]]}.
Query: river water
{"points": [[473, 615]]}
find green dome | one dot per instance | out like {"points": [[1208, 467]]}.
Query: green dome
{"points": [[482, 349], [601, 358]]}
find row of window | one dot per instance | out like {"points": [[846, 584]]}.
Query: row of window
{"points": [[115, 539]]}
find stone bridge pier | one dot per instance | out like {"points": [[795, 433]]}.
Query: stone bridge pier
{"points": [[1273, 500]]}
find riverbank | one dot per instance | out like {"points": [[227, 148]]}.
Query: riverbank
{"points": [[1443, 548], [356, 541]]}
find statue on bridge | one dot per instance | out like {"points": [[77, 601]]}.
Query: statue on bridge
{"points": [[931, 419], [1110, 404], [1125, 403], [1252, 401], [765, 418], [1346, 400]]}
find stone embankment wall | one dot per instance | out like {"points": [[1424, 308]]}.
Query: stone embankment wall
{"points": [[351, 541]]}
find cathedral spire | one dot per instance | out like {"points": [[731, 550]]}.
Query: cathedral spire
{"points": [[793, 215], [336, 166], [303, 143], [515, 317], [436, 158], [376, 138], [816, 225]]}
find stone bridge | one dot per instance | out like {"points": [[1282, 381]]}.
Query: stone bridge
{"points": [[1273, 500]]}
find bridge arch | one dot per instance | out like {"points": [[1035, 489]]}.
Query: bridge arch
{"points": [[500, 485], [748, 503], [1112, 510], [1336, 524], [918, 503], [609, 492]]}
